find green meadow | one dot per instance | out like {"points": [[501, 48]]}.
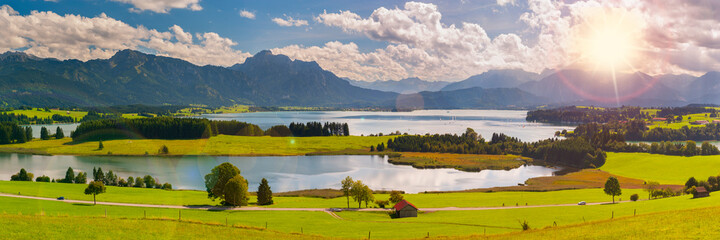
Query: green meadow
{"points": [[380, 225], [662, 168], [41, 113], [422, 200]]}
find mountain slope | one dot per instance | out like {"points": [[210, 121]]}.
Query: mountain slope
{"points": [[469, 98], [408, 85], [580, 87], [279, 81], [506, 78]]}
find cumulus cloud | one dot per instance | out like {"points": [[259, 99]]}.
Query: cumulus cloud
{"points": [[162, 6], [47, 34], [420, 44], [247, 14], [289, 22]]}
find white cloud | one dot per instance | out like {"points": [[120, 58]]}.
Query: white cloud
{"points": [[505, 2], [247, 14], [47, 34], [680, 37], [289, 22], [162, 6]]}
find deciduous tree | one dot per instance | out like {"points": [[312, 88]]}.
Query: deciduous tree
{"points": [[95, 188], [612, 187]]}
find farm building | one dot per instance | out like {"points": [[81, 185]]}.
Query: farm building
{"points": [[405, 209], [699, 122], [659, 119], [701, 192]]}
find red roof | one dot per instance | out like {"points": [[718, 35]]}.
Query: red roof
{"points": [[700, 189], [400, 205]]}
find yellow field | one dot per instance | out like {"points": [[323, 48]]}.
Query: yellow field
{"points": [[40, 113], [219, 145]]}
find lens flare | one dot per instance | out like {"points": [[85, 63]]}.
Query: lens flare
{"points": [[609, 39]]}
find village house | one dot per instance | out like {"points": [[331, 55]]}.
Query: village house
{"points": [[405, 209], [701, 192]]}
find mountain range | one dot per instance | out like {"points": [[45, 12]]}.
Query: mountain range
{"points": [[132, 77], [266, 79]]}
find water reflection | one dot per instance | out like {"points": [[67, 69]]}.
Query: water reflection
{"points": [[283, 173]]}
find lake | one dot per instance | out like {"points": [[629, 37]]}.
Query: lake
{"points": [[485, 122], [283, 173]]}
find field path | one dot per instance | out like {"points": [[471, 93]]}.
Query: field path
{"points": [[289, 209]]}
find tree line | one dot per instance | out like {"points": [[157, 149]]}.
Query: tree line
{"points": [[575, 152], [311, 129], [10, 132], [573, 114], [195, 128], [612, 137]]}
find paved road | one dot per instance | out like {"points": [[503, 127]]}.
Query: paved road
{"points": [[287, 209]]}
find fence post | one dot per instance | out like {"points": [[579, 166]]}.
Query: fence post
{"points": [[105, 212], [179, 215], [634, 212], [226, 221], [368, 234], [613, 215]]}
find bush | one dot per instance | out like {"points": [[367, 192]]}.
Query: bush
{"points": [[43, 178], [167, 186], [634, 197], [382, 203], [164, 150], [525, 226], [279, 131]]}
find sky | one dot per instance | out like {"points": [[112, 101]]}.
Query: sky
{"points": [[447, 40]]}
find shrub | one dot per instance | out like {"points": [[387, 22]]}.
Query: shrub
{"points": [[43, 178], [382, 203], [122, 183], [634, 197], [164, 150], [167, 186], [525, 226]]}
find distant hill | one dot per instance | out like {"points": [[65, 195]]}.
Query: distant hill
{"points": [[705, 89], [468, 98], [576, 87], [408, 85], [506, 78]]}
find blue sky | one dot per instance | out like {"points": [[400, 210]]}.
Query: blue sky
{"points": [[369, 40], [254, 35]]}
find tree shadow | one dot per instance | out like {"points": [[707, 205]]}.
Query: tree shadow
{"points": [[83, 204]]}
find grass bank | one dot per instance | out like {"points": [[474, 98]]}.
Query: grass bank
{"points": [[463, 162]]}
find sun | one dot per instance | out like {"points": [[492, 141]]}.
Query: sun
{"points": [[609, 39]]}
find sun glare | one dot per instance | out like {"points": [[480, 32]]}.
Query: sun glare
{"points": [[609, 40]]}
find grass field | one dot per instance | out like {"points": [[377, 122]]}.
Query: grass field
{"points": [[45, 227], [464, 162], [358, 224], [218, 145], [666, 225], [687, 119], [422, 200], [662, 168], [40, 113]]}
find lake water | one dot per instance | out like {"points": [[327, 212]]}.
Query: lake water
{"points": [[485, 122], [283, 173]]}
